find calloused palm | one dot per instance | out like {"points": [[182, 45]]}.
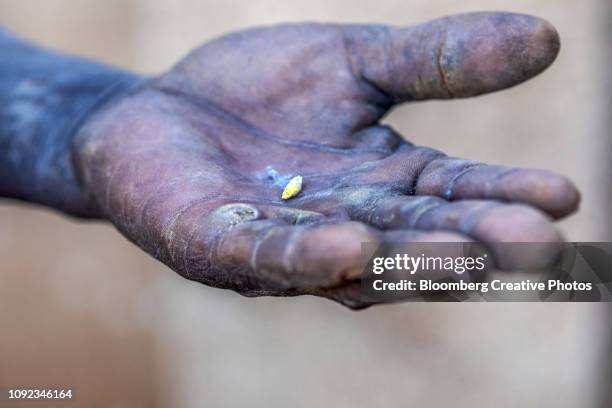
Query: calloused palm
{"points": [[191, 165]]}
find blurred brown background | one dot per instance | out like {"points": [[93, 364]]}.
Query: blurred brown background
{"points": [[80, 307]]}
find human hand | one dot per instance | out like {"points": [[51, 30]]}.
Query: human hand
{"points": [[191, 165]]}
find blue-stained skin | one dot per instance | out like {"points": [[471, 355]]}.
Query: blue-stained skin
{"points": [[188, 164]]}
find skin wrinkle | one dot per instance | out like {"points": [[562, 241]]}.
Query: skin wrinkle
{"points": [[421, 210], [371, 210], [196, 227], [228, 117], [421, 85], [472, 218], [440, 55], [113, 173], [109, 184], [419, 171], [412, 209], [261, 238], [291, 215], [167, 231], [122, 87], [390, 58], [167, 185], [498, 179], [150, 199], [393, 139], [418, 89], [124, 204], [357, 170], [307, 217], [366, 207], [449, 190], [289, 249], [379, 108], [383, 100]]}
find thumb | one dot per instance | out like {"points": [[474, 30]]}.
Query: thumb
{"points": [[457, 56]]}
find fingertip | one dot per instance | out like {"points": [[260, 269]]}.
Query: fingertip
{"points": [[543, 45], [515, 223], [541, 38], [553, 193], [565, 197], [550, 37], [572, 201], [521, 237], [485, 52]]}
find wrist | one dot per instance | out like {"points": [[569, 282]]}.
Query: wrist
{"points": [[45, 98], [86, 137]]}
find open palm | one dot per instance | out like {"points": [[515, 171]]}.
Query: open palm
{"points": [[191, 165]]}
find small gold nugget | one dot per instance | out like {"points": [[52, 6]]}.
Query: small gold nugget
{"points": [[292, 188]]}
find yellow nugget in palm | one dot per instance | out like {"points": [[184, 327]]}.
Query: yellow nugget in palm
{"points": [[292, 188]]}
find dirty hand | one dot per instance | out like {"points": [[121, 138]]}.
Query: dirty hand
{"points": [[191, 165]]}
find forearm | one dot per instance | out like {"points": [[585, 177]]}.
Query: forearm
{"points": [[44, 98]]}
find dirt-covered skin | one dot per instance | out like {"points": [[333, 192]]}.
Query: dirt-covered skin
{"points": [[191, 165]]}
